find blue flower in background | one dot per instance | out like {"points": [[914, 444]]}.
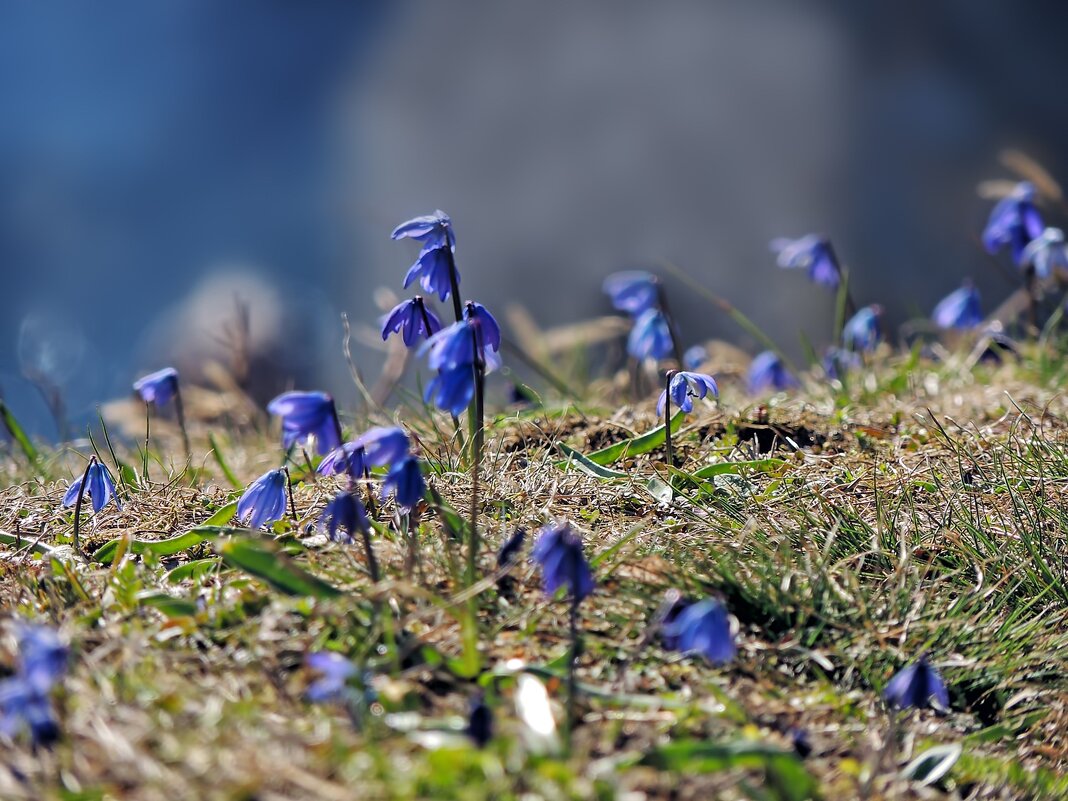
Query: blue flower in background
{"points": [[684, 387], [412, 319], [1047, 253], [343, 517], [307, 415], [334, 672], [265, 499], [768, 372], [863, 331], [480, 722], [434, 269], [705, 628], [452, 389], [485, 325], [404, 482], [839, 361], [25, 701], [1013, 222], [917, 686], [694, 357], [650, 338], [383, 445], [432, 229], [42, 655], [99, 486], [813, 253], [632, 291], [559, 552], [959, 309], [349, 459], [159, 387], [509, 552]]}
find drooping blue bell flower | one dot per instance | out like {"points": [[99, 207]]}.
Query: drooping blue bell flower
{"points": [[509, 551], [264, 501], [25, 701], [349, 459], [812, 253], [704, 628], [383, 445], [767, 371], [306, 416], [563, 564], [917, 686], [684, 387], [650, 338], [434, 269], [432, 229], [1047, 253], [343, 517], [333, 671], [404, 482], [486, 327], [452, 389], [632, 291], [1014, 222], [694, 357], [959, 309], [99, 486], [159, 387], [412, 319], [863, 331]]}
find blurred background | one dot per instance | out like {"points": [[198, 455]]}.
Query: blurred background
{"points": [[175, 177]]}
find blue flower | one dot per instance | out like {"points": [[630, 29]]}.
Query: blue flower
{"points": [[100, 488], [918, 686], [305, 416], [159, 387], [838, 361], [694, 357], [509, 552], [1013, 222], [452, 346], [480, 722], [412, 319], [705, 628], [452, 389], [632, 291], [334, 672], [1047, 253], [864, 329], [813, 253], [383, 445], [405, 482], [674, 605], [684, 387], [768, 372], [265, 499], [42, 655], [24, 697], [434, 269], [343, 517], [959, 309], [433, 229], [559, 552], [485, 325], [349, 459], [650, 338]]}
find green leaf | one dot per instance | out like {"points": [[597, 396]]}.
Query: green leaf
{"points": [[587, 466], [638, 445], [169, 605], [660, 490], [708, 471], [220, 460], [168, 547], [222, 515], [266, 562], [24, 542], [17, 433], [192, 570]]}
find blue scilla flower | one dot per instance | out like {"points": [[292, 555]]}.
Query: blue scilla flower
{"points": [[42, 657], [863, 330], [704, 628], [917, 686], [684, 387], [452, 346], [343, 517], [1047, 253], [559, 552], [650, 338], [485, 324], [412, 319], [307, 416], [632, 291], [767, 371], [694, 357], [404, 482], [25, 701], [384, 445], [434, 268], [99, 486], [509, 552], [433, 229], [839, 361], [452, 389], [334, 671], [349, 459], [265, 499], [959, 309], [159, 387], [1013, 222], [812, 253]]}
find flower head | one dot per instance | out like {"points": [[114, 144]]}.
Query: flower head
{"points": [[1013, 222], [334, 672], [99, 486], [343, 517], [412, 319], [813, 253], [404, 482], [485, 325], [265, 499], [433, 229], [959, 309], [919, 686], [348, 459], [684, 387], [694, 357], [509, 552], [383, 445], [1047, 253], [559, 552], [452, 389], [650, 338], [307, 416], [434, 268], [863, 330], [480, 722], [24, 697], [705, 628], [768, 372], [839, 361], [632, 291], [159, 387], [42, 655]]}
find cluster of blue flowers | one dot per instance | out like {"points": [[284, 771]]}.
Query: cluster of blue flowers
{"points": [[640, 295], [26, 696]]}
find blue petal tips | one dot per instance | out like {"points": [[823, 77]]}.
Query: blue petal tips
{"points": [[412, 320], [704, 628], [863, 331], [917, 686], [563, 564], [632, 291], [343, 517], [959, 309], [265, 499], [1013, 222], [683, 387], [99, 486], [768, 372], [812, 253], [307, 416], [159, 387], [650, 338]]}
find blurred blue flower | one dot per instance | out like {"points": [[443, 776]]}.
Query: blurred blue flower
{"points": [[509, 552], [863, 330], [412, 319], [768, 372], [434, 269], [42, 655], [343, 517], [996, 345], [452, 346], [334, 672], [485, 324], [839, 361], [694, 357], [811, 252], [684, 387], [480, 722], [705, 628], [559, 552], [800, 740], [674, 605], [1013, 222], [348, 459], [383, 445], [959, 309], [433, 229], [100, 488], [918, 686], [650, 338], [452, 389], [307, 415], [1047, 253], [404, 482], [265, 499], [25, 697], [632, 291], [159, 387]]}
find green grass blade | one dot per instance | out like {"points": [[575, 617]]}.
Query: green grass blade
{"points": [[18, 433], [261, 560]]}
